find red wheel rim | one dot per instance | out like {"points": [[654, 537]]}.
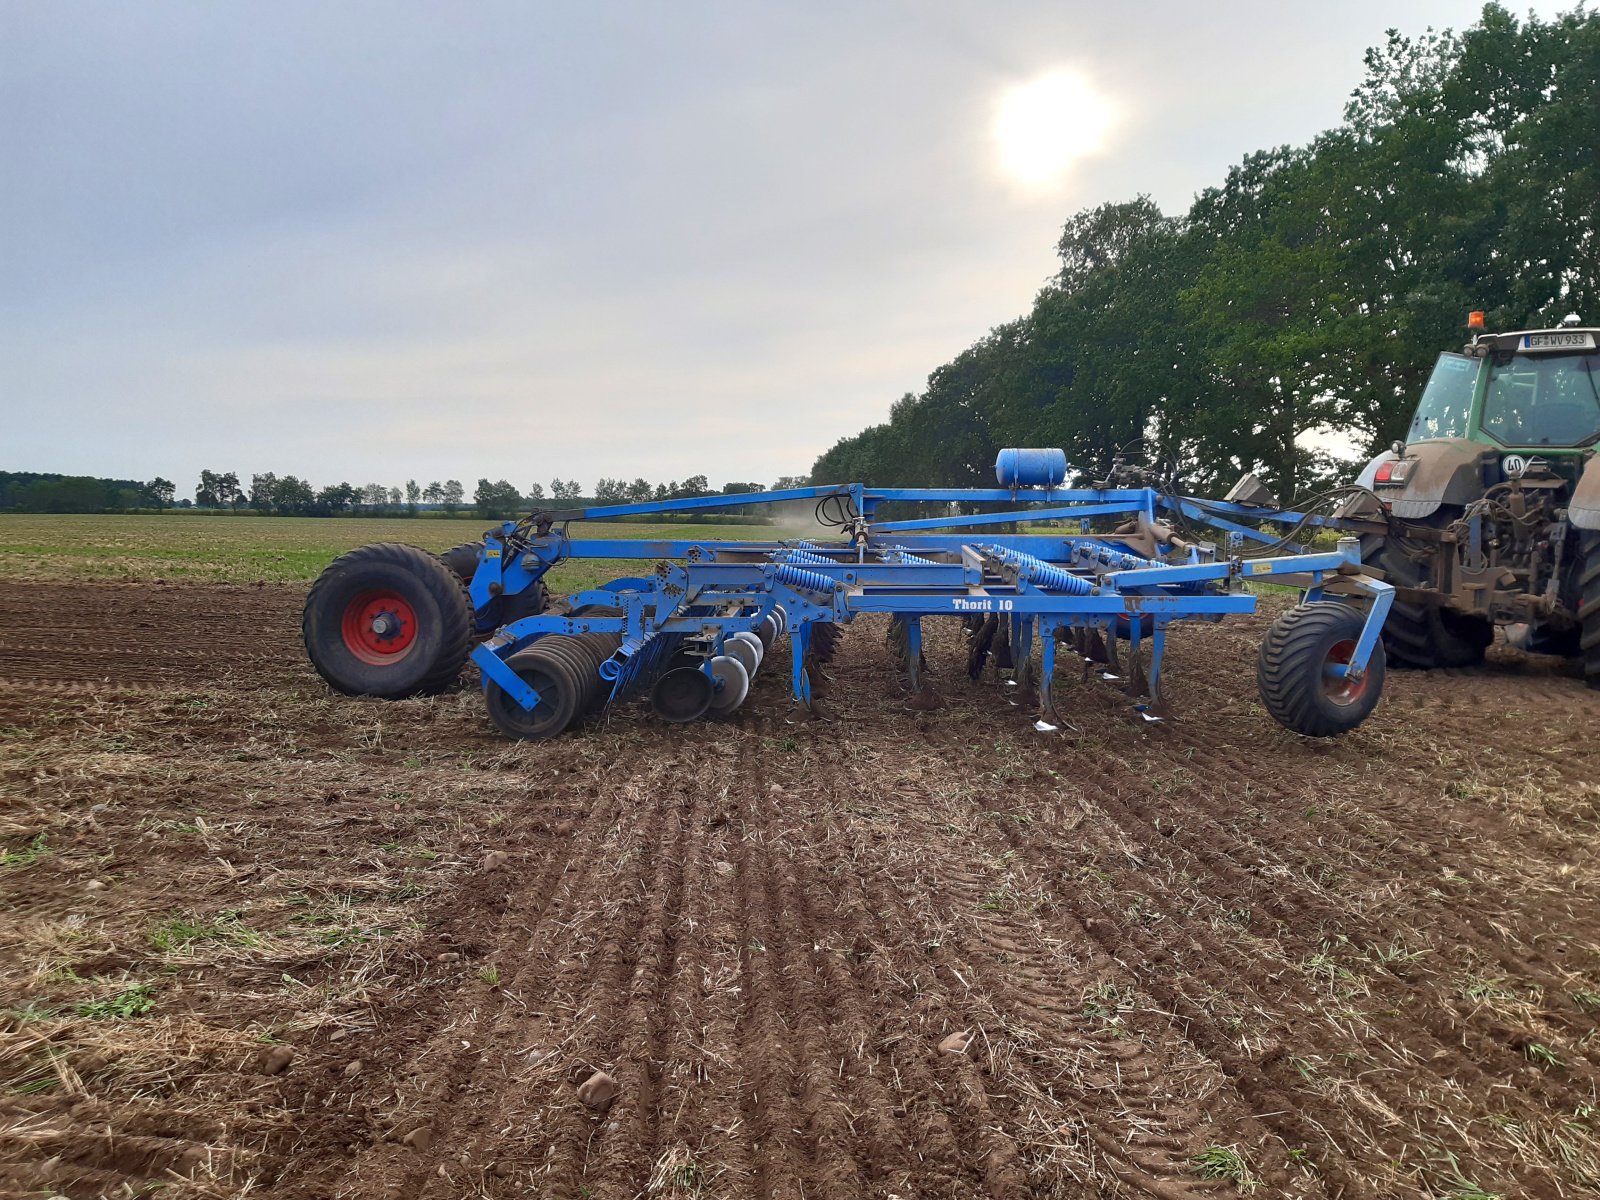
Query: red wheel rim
{"points": [[378, 627], [1341, 689]]}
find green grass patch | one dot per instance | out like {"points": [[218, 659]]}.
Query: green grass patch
{"points": [[134, 1001], [147, 547], [1225, 1162], [182, 933], [28, 855]]}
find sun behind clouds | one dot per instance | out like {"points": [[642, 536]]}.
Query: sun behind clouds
{"points": [[1043, 126]]}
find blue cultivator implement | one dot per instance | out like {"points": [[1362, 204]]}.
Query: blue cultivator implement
{"points": [[1102, 572]]}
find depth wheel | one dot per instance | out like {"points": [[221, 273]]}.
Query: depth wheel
{"points": [[1589, 605], [1293, 676], [389, 621]]}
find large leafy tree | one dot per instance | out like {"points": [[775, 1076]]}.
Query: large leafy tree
{"points": [[1300, 303]]}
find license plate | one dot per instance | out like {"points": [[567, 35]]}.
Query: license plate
{"points": [[1558, 341]]}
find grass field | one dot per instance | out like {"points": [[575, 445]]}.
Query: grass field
{"points": [[144, 549]]}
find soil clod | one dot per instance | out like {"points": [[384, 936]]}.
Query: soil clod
{"points": [[957, 1043], [598, 1091]]}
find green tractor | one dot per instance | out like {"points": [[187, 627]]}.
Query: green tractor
{"points": [[1489, 512]]}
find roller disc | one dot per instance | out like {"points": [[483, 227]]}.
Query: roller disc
{"points": [[734, 683], [558, 698], [682, 694], [754, 643]]}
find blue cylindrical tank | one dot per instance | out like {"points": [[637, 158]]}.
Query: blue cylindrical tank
{"points": [[1045, 467]]}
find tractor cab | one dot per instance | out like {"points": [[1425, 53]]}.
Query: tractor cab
{"points": [[1534, 390], [1506, 405]]}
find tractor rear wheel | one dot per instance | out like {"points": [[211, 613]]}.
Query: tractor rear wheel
{"points": [[1293, 675], [1589, 605], [389, 621], [1424, 636]]}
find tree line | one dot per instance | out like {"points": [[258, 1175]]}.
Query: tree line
{"points": [[1308, 294], [44, 492], [288, 495]]}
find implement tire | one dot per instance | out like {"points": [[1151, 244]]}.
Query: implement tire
{"points": [[1589, 605], [1424, 636], [463, 559], [389, 621], [1292, 677]]}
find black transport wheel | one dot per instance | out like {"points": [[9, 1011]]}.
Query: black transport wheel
{"points": [[553, 677], [529, 602], [1589, 605], [463, 559], [389, 621], [1292, 671], [1424, 636]]}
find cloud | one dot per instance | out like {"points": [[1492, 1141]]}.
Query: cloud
{"points": [[381, 241]]}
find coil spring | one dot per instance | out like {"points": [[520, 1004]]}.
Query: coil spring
{"points": [[799, 577], [899, 554], [802, 556], [1040, 573]]}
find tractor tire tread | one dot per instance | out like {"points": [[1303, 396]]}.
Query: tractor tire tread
{"points": [[1589, 605], [1418, 636]]}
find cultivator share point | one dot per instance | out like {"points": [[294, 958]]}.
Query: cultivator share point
{"points": [[1102, 572]]}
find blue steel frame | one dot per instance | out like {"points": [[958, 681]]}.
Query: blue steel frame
{"points": [[1046, 584]]}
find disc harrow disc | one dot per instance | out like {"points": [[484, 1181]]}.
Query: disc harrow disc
{"points": [[749, 656], [732, 683], [682, 694]]}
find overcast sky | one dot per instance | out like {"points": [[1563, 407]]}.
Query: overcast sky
{"points": [[382, 241]]}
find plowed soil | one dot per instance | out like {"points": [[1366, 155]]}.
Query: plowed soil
{"points": [[259, 939]]}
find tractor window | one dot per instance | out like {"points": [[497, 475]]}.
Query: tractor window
{"points": [[1446, 400], [1545, 401]]}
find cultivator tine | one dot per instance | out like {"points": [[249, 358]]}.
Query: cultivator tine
{"points": [[981, 642], [1002, 646], [824, 640], [899, 642], [1157, 708], [1093, 645], [1050, 721], [1138, 684], [1027, 689], [914, 665]]}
